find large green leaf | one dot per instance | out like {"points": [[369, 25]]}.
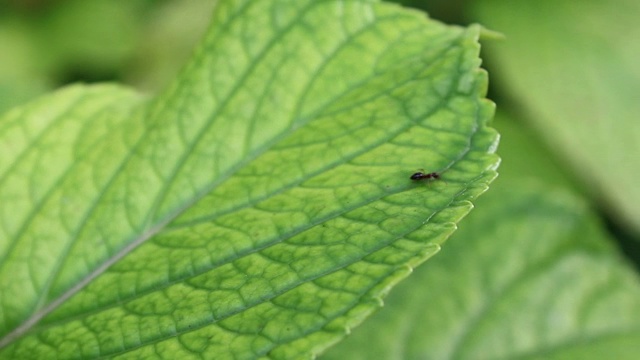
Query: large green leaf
{"points": [[258, 206], [530, 275], [573, 66]]}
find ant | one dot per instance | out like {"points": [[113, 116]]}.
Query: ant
{"points": [[424, 176]]}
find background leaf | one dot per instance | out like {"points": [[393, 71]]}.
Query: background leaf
{"points": [[172, 29], [259, 205], [572, 67], [46, 44]]}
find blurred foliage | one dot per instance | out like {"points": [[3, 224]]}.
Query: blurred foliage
{"points": [[571, 68], [47, 44]]}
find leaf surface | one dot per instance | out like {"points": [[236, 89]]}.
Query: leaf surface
{"points": [[256, 207]]}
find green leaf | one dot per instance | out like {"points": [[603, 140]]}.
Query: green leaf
{"points": [[530, 276], [257, 207], [572, 65]]}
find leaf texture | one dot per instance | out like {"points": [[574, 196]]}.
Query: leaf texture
{"points": [[257, 207]]}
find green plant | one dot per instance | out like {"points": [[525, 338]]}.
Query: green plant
{"points": [[259, 204]]}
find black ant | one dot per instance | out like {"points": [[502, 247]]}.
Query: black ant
{"points": [[424, 176]]}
